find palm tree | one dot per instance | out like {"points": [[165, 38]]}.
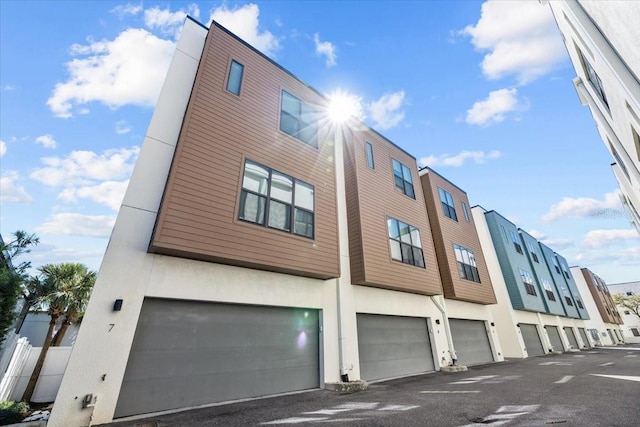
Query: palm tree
{"points": [[63, 290]]}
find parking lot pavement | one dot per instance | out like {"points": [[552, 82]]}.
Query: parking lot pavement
{"points": [[598, 387]]}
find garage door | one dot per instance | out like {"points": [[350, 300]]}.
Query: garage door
{"points": [[187, 353], [554, 338], [393, 346], [470, 341], [571, 336], [531, 339], [583, 335]]}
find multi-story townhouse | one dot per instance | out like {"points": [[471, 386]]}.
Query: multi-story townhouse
{"points": [[630, 320], [468, 290], [260, 248], [601, 38], [529, 318], [605, 320]]}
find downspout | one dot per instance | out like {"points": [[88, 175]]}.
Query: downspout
{"points": [[447, 329]]}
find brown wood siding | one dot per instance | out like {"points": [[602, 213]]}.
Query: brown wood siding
{"points": [[446, 233], [199, 212], [371, 198], [602, 299]]}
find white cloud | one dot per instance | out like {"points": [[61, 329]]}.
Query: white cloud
{"points": [[459, 159], [8, 88], [521, 38], [493, 109], [11, 191], [167, 22], [47, 141], [122, 127], [73, 224], [127, 70], [109, 193], [127, 9], [582, 207], [557, 244], [3, 148], [605, 238], [626, 256], [539, 235], [386, 112], [86, 167], [243, 22], [326, 49]]}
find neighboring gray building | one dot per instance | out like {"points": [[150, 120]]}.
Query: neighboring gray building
{"points": [[631, 321]]}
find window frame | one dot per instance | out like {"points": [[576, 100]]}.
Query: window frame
{"points": [[240, 78], [527, 280], [368, 152], [464, 268], [304, 109], [269, 200], [401, 182], [465, 211], [400, 242], [594, 79], [548, 290], [449, 210], [516, 242]]}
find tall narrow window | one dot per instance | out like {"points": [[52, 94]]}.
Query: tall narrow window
{"points": [[555, 264], [548, 290], [298, 119], [466, 212], [234, 81], [636, 140], [402, 178], [579, 303], [594, 79], [275, 200], [466, 263], [369, 152], [528, 282], [532, 251], [516, 242], [405, 244], [448, 207], [504, 233], [567, 297]]}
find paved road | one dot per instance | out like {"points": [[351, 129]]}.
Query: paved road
{"points": [[599, 387]]}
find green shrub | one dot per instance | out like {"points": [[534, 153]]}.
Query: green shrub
{"points": [[12, 412]]}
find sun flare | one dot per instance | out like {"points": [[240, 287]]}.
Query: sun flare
{"points": [[342, 106]]}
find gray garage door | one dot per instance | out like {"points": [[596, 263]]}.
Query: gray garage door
{"points": [[189, 353], [571, 336], [554, 338], [531, 339], [393, 346], [583, 335], [471, 341]]}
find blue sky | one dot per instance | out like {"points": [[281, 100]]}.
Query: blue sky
{"points": [[479, 91]]}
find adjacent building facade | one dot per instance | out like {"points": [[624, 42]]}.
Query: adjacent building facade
{"points": [[601, 38], [630, 320]]}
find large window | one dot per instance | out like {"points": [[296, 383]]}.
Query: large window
{"points": [[369, 153], [405, 244], [548, 290], [466, 263], [594, 79], [273, 199], [448, 207], [528, 282], [555, 264], [403, 179], [532, 251], [298, 119], [516, 242], [234, 81]]}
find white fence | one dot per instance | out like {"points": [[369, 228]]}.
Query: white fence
{"points": [[14, 357]]}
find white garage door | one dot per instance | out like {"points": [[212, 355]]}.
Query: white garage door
{"points": [[470, 341], [393, 346], [189, 353], [531, 339]]}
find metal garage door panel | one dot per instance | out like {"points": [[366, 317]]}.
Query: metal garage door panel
{"points": [[393, 346], [571, 336], [188, 353], [531, 339], [554, 338], [583, 334], [470, 341]]}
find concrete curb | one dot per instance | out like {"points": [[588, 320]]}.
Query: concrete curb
{"points": [[455, 368], [350, 387]]}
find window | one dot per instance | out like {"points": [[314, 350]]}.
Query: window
{"points": [[466, 263], [579, 304], [465, 211], [567, 297], [618, 159], [635, 332], [629, 293], [298, 119], [448, 207], [532, 251], [275, 200], [548, 290], [516, 242], [403, 179], [636, 138], [234, 81], [369, 150], [405, 244], [555, 264], [594, 79], [528, 282], [627, 312], [504, 233]]}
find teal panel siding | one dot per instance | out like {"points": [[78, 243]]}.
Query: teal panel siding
{"points": [[558, 280], [573, 289], [542, 274], [511, 262]]}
